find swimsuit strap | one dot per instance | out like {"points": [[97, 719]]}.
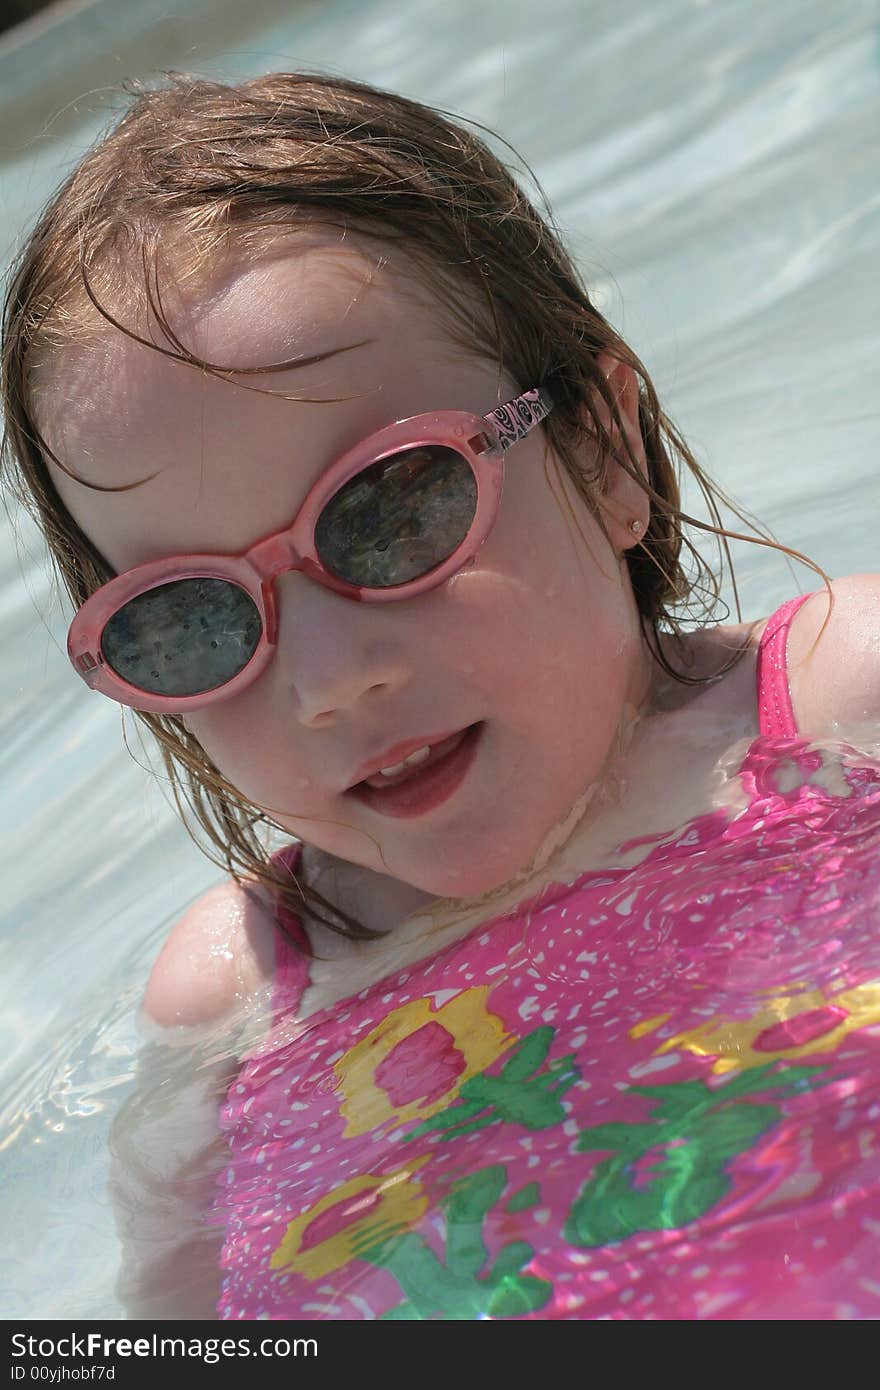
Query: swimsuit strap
{"points": [[292, 948], [775, 714]]}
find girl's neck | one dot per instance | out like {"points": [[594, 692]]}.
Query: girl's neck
{"points": [[595, 824]]}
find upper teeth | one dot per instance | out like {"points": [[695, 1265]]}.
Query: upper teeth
{"points": [[418, 756]]}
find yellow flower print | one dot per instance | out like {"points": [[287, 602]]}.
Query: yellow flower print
{"points": [[648, 1025], [786, 1027], [415, 1061], [352, 1217]]}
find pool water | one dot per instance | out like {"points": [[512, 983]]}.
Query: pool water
{"points": [[714, 170]]}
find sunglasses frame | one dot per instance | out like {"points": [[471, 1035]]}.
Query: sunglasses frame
{"points": [[481, 440]]}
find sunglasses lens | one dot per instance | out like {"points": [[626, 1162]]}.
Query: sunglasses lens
{"points": [[183, 638], [399, 518]]}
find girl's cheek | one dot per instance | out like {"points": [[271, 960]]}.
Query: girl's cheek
{"points": [[226, 734], [254, 748]]}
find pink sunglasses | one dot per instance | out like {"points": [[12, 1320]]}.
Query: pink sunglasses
{"points": [[394, 517]]}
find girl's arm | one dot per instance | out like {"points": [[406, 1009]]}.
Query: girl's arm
{"points": [[202, 1006], [166, 1152]]}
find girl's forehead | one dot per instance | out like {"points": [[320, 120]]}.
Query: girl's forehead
{"points": [[225, 456], [278, 306], [304, 300], [252, 312]]}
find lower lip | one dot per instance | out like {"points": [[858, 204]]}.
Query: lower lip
{"points": [[426, 790]]}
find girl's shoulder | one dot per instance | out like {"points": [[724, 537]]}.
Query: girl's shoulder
{"points": [[833, 658], [216, 969], [217, 960]]}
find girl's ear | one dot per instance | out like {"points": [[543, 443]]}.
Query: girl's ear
{"points": [[625, 505]]}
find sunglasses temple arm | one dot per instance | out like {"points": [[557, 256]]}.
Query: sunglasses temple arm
{"points": [[518, 417]]}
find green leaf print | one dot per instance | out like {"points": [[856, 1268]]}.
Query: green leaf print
{"points": [[671, 1169], [520, 1094], [528, 1196], [454, 1289]]}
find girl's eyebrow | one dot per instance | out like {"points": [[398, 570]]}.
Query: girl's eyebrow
{"points": [[291, 365]]}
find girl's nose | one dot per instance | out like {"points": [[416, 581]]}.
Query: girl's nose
{"points": [[334, 653]]}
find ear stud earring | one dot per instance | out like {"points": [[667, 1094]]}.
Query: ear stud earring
{"points": [[636, 527]]}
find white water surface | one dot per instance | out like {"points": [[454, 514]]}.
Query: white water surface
{"points": [[714, 167]]}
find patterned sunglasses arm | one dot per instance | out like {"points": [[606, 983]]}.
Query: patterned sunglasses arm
{"points": [[514, 420]]}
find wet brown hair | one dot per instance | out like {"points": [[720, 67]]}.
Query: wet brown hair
{"points": [[195, 167]]}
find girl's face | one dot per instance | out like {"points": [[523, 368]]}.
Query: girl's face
{"points": [[537, 642]]}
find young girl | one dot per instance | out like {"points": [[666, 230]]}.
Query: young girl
{"points": [[564, 977]]}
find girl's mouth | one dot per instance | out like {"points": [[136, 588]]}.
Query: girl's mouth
{"points": [[423, 786]]}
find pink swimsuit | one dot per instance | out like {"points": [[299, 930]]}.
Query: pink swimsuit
{"points": [[652, 1093]]}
